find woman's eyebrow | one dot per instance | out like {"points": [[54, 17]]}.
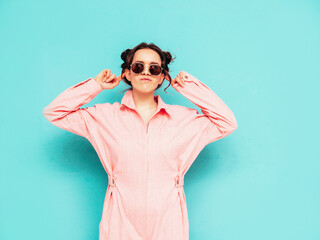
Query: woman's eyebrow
{"points": [[150, 62]]}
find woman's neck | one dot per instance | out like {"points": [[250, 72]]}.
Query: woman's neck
{"points": [[144, 100]]}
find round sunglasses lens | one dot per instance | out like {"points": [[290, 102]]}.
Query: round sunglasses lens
{"points": [[137, 67], [155, 69]]}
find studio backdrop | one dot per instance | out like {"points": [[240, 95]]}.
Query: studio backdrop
{"points": [[260, 57]]}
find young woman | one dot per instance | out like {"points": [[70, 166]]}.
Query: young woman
{"points": [[145, 145]]}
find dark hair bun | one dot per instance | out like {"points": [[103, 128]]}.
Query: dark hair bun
{"points": [[124, 54], [168, 57]]}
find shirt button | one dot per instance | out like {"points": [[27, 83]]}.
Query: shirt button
{"points": [[186, 77]]}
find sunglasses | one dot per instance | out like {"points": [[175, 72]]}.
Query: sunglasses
{"points": [[154, 69]]}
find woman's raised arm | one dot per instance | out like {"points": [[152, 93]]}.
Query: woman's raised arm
{"points": [[65, 112], [217, 120]]}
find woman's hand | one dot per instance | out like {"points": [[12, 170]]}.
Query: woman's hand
{"points": [[107, 80], [178, 79]]}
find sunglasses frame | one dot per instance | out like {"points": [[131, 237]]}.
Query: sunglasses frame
{"points": [[144, 65]]}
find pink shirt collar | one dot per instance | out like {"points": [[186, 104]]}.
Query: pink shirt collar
{"points": [[128, 101]]}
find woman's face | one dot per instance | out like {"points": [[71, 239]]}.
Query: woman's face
{"points": [[146, 56]]}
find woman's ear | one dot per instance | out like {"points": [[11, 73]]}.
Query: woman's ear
{"points": [[162, 77], [126, 73]]}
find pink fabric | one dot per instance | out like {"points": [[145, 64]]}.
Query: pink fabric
{"points": [[145, 164]]}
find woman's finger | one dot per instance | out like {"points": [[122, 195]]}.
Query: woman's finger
{"points": [[116, 81], [181, 77], [111, 77], [181, 81], [106, 73], [106, 79]]}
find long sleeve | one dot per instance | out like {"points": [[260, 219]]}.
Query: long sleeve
{"points": [[217, 120], [65, 112]]}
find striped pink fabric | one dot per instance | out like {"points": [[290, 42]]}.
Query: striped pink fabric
{"points": [[145, 164]]}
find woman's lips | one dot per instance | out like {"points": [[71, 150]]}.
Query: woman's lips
{"points": [[146, 79]]}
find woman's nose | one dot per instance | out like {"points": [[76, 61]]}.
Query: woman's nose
{"points": [[146, 70]]}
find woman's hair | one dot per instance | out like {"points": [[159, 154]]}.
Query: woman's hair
{"points": [[127, 57]]}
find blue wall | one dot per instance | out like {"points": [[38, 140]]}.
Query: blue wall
{"points": [[260, 57]]}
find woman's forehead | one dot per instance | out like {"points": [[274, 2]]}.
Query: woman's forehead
{"points": [[147, 62], [147, 56]]}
